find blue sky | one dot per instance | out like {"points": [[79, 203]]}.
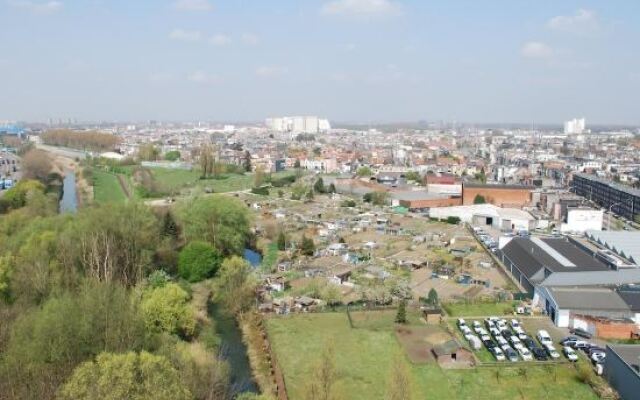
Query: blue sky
{"points": [[348, 60]]}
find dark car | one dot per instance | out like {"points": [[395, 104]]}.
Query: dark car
{"points": [[489, 344], [581, 332], [539, 354], [529, 343], [569, 339]]}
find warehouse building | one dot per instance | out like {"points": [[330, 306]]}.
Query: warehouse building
{"points": [[622, 370], [622, 200]]}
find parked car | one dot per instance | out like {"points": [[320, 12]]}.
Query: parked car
{"points": [[501, 340], [461, 322], [581, 345], [598, 358], [552, 352], [510, 354], [476, 324], [570, 353], [498, 353], [569, 339], [530, 343], [489, 344], [581, 332], [485, 338], [539, 354], [544, 337], [595, 349], [524, 353]]}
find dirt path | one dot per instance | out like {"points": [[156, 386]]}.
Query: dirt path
{"points": [[124, 186]]}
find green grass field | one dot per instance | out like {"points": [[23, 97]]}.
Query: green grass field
{"points": [[106, 188], [172, 180], [479, 309], [364, 358]]}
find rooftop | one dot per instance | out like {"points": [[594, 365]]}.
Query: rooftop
{"points": [[597, 299], [623, 243], [629, 353], [622, 188]]}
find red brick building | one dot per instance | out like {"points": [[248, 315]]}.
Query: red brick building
{"points": [[500, 195]]}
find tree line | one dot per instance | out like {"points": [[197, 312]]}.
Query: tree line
{"points": [[111, 302], [85, 140]]}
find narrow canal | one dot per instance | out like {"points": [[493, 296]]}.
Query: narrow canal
{"points": [[234, 350], [69, 201]]}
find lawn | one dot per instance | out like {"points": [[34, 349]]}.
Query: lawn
{"points": [[479, 309], [364, 358], [106, 188], [171, 180]]}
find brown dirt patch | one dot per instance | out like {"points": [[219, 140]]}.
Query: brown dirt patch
{"points": [[417, 342]]}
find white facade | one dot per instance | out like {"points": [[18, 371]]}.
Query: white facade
{"points": [[299, 124], [575, 126], [506, 219], [580, 220]]}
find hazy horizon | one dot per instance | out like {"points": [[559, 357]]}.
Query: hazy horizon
{"points": [[351, 61]]}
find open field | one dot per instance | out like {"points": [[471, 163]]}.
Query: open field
{"points": [[364, 359], [106, 188]]}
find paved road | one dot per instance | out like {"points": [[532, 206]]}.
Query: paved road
{"points": [[64, 151]]}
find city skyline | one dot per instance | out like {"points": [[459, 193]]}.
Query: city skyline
{"points": [[350, 60]]}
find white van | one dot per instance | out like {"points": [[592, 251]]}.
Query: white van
{"points": [[544, 338]]}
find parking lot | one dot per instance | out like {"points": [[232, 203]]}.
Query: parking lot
{"points": [[509, 339], [10, 171]]}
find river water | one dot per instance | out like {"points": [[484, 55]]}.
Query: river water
{"points": [[69, 201], [233, 350]]}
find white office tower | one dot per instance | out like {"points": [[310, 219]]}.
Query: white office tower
{"points": [[299, 124], [575, 126]]}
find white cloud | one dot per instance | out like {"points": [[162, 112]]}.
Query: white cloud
{"points": [[584, 21], [219, 40], [536, 50], [204, 78], [250, 39], [185, 36], [45, 7], [271, 70], [362, 8], [193, 5]]}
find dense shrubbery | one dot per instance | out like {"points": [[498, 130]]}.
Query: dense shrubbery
{"points": [[198, 261]]}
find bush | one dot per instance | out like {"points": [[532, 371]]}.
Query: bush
{"points": [[263, 190], [198, 261], [348, 203], [453, 220]]}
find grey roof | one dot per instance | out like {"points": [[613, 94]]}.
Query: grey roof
{"points": [[631, 297], [530, 255], [590, 278], [624, 243], [593, 299], [629, 353]]}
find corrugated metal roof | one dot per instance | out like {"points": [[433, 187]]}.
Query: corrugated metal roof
{"points": [[586, 278], [595, 299], [624, 243]]}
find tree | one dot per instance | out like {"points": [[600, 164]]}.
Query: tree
{"points": [[364, 171], [259, 176], [247, 161], [399, 386], [310, 194], [173, 155], [332, 188], [235, 286], [135, 376], [282, 241], [170, 227], [148, 152], [432, 297], [401, 316], [165, 309], [307, 247], [36, 164], [413, 176], [319, 186], [376, 198], [206, 159], [198, 261], [222, 221], [322, 384], [479, 199]]}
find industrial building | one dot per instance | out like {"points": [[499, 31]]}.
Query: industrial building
{"points": [[622, 369], [497, 194], [622, 200], [300, 124], [503, 219]]}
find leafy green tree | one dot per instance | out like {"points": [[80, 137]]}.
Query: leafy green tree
{"points": [[170, 227], [401, 316], [235, 285], [332, 188], [198, 261], [222, 221], [16, 197], [376, 198], [364, 171], [158, 278], [432, 297], [247, 161], [479, 199], [173, 155], [310, 194], [413, 176], [134, 376], [148, 152], [165, 309], [282, 241], [307, 247], [318, 186]]}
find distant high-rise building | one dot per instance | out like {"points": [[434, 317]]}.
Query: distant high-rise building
{"points": [[301, 124], [575, 126]]}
